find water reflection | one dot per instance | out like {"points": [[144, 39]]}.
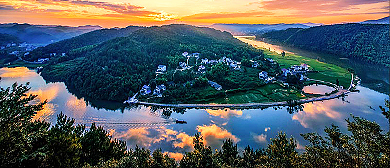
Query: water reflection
{"points": [[261, 44], [18, 72], [77, 105], [224, 113], [317, 89], [155, 128]]}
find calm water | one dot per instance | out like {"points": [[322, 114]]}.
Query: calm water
{"points": [[149, 128]]}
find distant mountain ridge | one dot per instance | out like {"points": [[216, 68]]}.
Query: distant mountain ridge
{"points": [[90, 38], [251, 29], [385, 20], [44, 34]]}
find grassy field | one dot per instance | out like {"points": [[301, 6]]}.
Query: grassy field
{"points": [[326, 72], [269, 93]]}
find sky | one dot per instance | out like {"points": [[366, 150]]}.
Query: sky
{"points": [[121, 13]]}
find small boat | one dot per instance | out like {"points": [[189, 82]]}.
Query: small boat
{"points": [[181, 122]]}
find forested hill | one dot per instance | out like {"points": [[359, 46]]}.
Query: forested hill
{"points": [[6, 39], [116, 69], [367, 42], [90, 38]]}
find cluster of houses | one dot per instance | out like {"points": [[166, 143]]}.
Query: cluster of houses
{"points": [[228, 61], [263, 75], [298, 70], [22, 47]]}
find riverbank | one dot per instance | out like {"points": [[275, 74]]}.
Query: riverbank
{"points": [[326, 72], [338, 94]]}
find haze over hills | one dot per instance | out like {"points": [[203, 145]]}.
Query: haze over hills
{"points": [[44, 34], [367, 42], [385, 20], [90, 38], [252, 29]]}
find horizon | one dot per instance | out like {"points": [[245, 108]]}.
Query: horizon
{"points": [[182, 24], [119, 13]]}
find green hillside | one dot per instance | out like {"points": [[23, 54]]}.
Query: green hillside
{"points": [[366, 42], [118, 68]]}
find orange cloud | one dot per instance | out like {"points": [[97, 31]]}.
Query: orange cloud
{"points": [[185, 141], [18, 72], [135, 136], [78, 106], [225, 113], [44, 114], [48, 94], [314, 114], [110, 13], [214, 136], [262, 138], [176, 156]]}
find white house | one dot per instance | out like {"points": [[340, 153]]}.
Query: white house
{"points": [[215, 85], [161, 69], [158, 91], [205, 61], [263, 75], [183, 65], [202, 69], [145, 90]]}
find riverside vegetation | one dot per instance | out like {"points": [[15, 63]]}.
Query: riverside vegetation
{"points": [[33, 143], [366, 42]]}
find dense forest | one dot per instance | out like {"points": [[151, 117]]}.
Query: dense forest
{"points": [[33, 143], [90, 38], [366, 42], [118, 68]]}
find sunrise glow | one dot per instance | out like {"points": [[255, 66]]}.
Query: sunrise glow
{"points": [[112, 13]]}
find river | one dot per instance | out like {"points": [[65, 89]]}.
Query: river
{"points": [[148, 128]]}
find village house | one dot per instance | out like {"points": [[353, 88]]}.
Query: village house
{"points": [[205, 61], [14, 53], [145, 90], [183, 65], [255, 64], [158, 91], [202, 69], [263, 75], [215, 85], [161, 69]]}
